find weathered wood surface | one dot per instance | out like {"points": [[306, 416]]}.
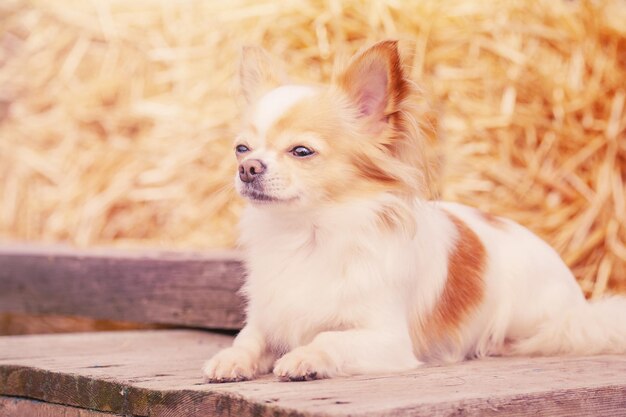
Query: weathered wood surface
{"points": [[191, 289], [157, 373], [19, 407]]}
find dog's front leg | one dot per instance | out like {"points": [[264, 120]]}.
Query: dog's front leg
{"points": [[348, 352], [245, 359]]}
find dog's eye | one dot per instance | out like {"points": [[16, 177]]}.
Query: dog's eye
{"points": [[302, 151], [242, 149]]}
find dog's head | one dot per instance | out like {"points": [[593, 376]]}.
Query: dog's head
{"points": [[307, 145]]}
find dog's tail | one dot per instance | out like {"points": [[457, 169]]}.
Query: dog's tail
{"points": [[589, 328]]}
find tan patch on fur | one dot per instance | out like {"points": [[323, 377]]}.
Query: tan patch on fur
{"points": [[320, 113], [493, 220], [406, 111], [461, 295], [352, 163]]}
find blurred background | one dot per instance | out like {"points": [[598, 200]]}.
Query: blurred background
{"points": [[117, 117]]}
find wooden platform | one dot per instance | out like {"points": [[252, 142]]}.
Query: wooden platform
{"points": [[157, 373]]}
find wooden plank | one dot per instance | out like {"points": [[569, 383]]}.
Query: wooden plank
{"points": [[19, 407], [157, 373], [191, 289]]}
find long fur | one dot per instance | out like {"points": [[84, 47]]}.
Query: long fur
{"points": [[351, 269]]}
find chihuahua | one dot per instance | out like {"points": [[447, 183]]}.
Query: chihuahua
{"points": [[351, 270]]}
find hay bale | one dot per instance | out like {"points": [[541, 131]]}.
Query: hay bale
{"points": [[117, 117]]}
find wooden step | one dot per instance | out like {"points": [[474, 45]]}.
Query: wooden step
{"points": [[157, 373], [191, 289]]}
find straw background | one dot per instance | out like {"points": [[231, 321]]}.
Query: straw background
{"points": [[117, 117]]}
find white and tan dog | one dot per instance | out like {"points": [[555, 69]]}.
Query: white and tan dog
{"points": [[352, 271]]}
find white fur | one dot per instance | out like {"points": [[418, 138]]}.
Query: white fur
{"points": [[329, 294], [275, 103]]}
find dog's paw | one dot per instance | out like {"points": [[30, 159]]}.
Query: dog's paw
{"points": [[304, 364], [230, 365]]}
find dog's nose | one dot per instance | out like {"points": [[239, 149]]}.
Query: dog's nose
{"points": [[250, 169]]}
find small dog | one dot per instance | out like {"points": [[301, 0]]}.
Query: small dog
{"points": [[352, 271]]}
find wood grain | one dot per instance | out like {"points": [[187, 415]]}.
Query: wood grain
{"points": [[19, 407], [157, 373], [190, 289]]}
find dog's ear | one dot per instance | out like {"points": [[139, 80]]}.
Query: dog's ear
{"points": [[258, 73], [375, 81]]}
